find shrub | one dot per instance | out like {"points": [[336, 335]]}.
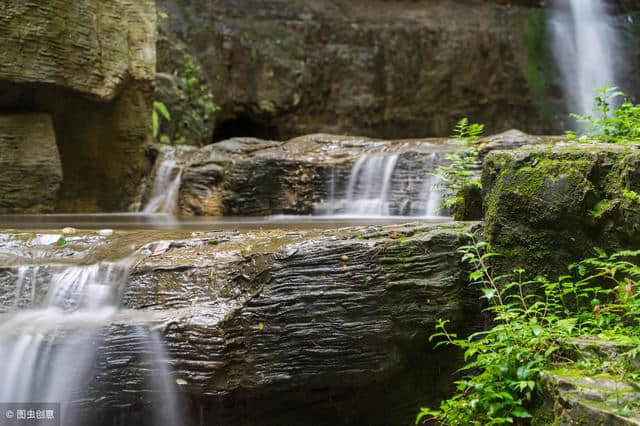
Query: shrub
{"points": [[458, 173], [609, 123], [534, 323]]}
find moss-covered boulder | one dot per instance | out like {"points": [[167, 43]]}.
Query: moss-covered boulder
{"points": [[546, 206], [599, 388]]}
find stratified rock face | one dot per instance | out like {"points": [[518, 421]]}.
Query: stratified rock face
{"points": [[31, 172], [89, 64], [376, 68], [315, 173], [245, 176], [274, 327], [89, 46], [546, 207]]}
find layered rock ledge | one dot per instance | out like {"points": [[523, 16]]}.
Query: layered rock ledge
{"points": [[248, 176], [275, 327]]}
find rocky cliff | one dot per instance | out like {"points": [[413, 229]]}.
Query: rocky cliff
{"points": [[89, 65], [376, 68]]}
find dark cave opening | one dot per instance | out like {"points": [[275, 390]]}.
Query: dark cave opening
{"points": [[244, 126]]}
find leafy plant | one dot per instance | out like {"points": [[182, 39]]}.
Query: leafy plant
{"points": [[465, 131], [199, 101], [609, 123], [159, 110], [534, 322], [458, 172]]}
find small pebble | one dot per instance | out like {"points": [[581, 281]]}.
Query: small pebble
{"points": [[105, 232], [344, 258], [68, 230]]}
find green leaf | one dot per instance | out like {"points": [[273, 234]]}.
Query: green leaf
{"points": [[488, 293], [61, 241], [155, 124], [536, 329], [520, 413], [567, 325], [162, 109]]}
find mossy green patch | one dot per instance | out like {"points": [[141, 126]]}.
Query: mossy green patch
{"points": [[538, 57]]}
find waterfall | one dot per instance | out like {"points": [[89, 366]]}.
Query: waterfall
{"points": [[48, 353], [385, 184], [585, 43], [166, 176], [369, 186]]}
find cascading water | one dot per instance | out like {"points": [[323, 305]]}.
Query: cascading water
{"points": [[585, 42], [369, 185], [385, 185], [48, 353], [167, 176]]}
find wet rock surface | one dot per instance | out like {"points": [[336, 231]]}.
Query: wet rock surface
{"points": [[248, 176], [244, 176], [275, 327]]}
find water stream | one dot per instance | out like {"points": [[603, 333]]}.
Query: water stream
{"points": [[385, 185], [166, 178], [585, 46], [48, 349]]}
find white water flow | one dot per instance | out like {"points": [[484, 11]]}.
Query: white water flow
{"points": [[369, 185], [48, 354], [166, 184], [385, 185], [585, 43]]}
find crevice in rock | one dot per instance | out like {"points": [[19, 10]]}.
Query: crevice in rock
{"points": [[96, 141], [245, 126]]}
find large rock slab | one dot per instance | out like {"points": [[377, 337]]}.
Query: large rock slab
{"points": [[547, 206], [319, 327], [91, 66], [30, 163]]}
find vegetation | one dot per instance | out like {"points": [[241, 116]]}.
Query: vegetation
{"points": [[159, 111], [193, 108], [199, 99], [534, 325], [457, 173], [609, 123]]}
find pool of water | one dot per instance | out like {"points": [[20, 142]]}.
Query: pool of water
{"points": [[165, 221]]}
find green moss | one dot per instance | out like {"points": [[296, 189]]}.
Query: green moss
{"points": [[601, 208], [538, 57]]}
